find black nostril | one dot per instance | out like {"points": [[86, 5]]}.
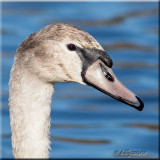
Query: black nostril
{"points": [[106, 73], [109, 77]]}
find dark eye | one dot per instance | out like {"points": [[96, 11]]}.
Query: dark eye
{"points": [[71, 47]]}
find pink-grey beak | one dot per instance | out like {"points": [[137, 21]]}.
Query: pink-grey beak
{"points": [[102, 77], [97, 73]]}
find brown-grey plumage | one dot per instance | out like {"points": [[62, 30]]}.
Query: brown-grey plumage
{"points": [[56, 53]]}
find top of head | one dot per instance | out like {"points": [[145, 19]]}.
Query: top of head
{"points": [[60, 33]]}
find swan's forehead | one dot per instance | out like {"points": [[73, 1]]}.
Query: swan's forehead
{"points": [[84, 39]]}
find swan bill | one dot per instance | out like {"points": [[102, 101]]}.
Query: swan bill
{"points": [[101, 77]]}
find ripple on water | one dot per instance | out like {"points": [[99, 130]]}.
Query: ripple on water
{"points": [[83, 141]]}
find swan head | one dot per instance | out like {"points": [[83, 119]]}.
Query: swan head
{"points": [[65, 53]]}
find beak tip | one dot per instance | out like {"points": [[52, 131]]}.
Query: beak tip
{"points": [[140, 107]]}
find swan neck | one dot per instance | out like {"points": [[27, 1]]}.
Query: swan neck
{"points": [[29, 101]]}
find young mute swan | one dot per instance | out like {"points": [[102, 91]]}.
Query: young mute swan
{"points": [[56, 53]]}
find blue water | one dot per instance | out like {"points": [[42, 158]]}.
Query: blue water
{"points": [[85, 122]]}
